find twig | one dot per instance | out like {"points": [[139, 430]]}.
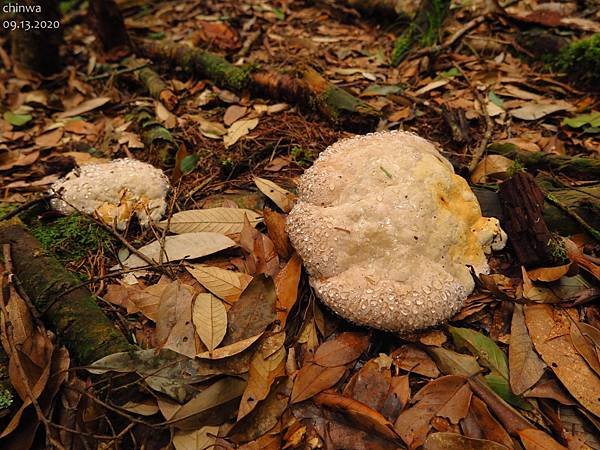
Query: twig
{"points": [[489, 124], [576, 217], [472, 24], [117, 72], [25, 206]]}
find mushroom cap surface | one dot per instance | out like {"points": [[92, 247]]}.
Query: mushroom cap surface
{"points": [[114, 191], [387, 232]]}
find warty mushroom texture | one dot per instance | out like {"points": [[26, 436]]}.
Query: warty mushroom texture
{"points": [[114, 191], [388, 232]]}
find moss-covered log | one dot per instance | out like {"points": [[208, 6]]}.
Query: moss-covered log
{"points": [[157, 138], [309, 90], [37, 49], [157, 87], [587, 168], [580, 61], [74, 315]]}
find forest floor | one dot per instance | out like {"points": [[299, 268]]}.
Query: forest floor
{"points": [[305, 377]]}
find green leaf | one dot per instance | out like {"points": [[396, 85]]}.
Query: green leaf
{"points": [[495, 99], [188, 164], [454, 72], [483, 347], [376, 89], [157, 133], [592, 119], [279, 13], [453, 363], [500, 386], [17, 120]]}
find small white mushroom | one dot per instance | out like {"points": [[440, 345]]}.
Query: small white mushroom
{"points": [[388, 232], [114, 191]]}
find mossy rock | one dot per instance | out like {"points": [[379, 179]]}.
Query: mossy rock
{"points": [[580, 60]]}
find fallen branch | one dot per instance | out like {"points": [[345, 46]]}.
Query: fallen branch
{"points": [[78, 320], [155, 85], [572, 165], [310, 90]]}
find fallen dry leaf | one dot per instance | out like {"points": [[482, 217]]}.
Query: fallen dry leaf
{"points": [[174, 328], [312, 379], [286, 286], [238, 130], [526, 367], [210, 319], [412, 359], [343, 349], [549, 328], [282, 198], [448, 396], [84, 107], [187, 245], [534, 439], [454, 441], [225, 284], [216, 220]]}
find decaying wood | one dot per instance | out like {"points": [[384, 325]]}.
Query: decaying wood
{"points": [[522, 204], [583, 201], [155, 85], [309, 90], [577, 166], [78, 320]]}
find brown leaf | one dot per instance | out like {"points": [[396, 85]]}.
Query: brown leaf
{"points": [[343, 349], [548, 274], [526, 367], [136, 298], [362, 415], [267, 363], [282, 198], [398, 397], [286, 286], [585, 339], [549, 329], [312, 379], [371, 384], [49, 139], [223, 283], [412, 359], [84, 107], [275, 223], [210, 319], [231, 349], [266, 415], [174, 328], [259, 250], [218, 34], [233, 113], [550, 388], [447, 396], [534, 439], [253, 312], [454, 441], [480, 424]]}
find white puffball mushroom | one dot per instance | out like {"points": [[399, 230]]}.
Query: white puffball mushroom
{"points": [[114, 191], [387, 232]]}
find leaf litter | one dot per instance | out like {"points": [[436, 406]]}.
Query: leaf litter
{"points": [[233, 350]]}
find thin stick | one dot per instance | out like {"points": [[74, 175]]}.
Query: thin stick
{"points": [[117, 72], [25, 206], [472, 24]]}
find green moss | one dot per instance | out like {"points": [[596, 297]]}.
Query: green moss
{"points": [[580, 60], [6, 398], [70, 238]]}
